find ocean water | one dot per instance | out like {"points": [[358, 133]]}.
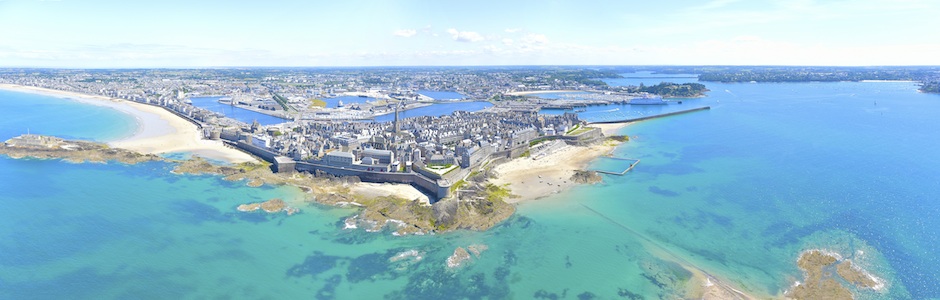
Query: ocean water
{"points": [[241, 114], [737, 191], [442, 95], [649, 78]]}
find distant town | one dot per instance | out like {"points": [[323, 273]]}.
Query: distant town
{"points": [[433, 153]]}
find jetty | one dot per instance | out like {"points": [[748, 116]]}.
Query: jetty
{"points": [[633, 163], [653, 116]]}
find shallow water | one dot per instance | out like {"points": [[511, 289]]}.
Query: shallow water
{"points": [[738, 191]]}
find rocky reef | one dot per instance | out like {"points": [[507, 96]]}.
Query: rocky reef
{"points": [[829, 276], [481, 212], [270, 206], [46, 147], [461, 256]]}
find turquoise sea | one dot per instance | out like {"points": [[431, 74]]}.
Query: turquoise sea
{"points": [[738, 191]]}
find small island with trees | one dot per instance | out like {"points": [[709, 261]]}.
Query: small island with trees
{"points": [[671, 90]]}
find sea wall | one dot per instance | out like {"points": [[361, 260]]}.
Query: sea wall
{"points": [[267, 155], [428, 185], [419, 181]]}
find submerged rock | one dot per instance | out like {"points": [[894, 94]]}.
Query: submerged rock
{"points": [[477, 249], [821, 281], [458, 258], [271, 206], [249, 207]]}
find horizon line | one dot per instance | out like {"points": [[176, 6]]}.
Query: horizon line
{"points": [[458, 66]]}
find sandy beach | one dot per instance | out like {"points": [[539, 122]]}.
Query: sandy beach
{"points": [[551, 174], [158, 132], [404, 191], [611, 129]]}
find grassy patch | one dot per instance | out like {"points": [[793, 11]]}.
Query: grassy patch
{"points": [[457, 185], [579, 130], [317, 103], [576, 126]]}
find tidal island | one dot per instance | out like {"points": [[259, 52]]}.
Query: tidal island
{"points": [[416, 175], [431, 173]]}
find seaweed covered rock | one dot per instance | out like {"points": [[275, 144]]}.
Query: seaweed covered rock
{"points": [[586, 177]]}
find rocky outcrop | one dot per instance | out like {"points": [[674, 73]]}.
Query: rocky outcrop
{"points": [[74, 151], [270, 206], [461, 256], [407, 216], [458, 258], [821, 283], [586, 177]]}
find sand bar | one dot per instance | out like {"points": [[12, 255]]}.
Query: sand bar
{"points": [[158, 132]]}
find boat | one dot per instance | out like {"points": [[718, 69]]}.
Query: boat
{"points": [[648, 100], [340, 104], [226, 100]]}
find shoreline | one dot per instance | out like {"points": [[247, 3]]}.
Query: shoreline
{"points": [[532, 178], [541, 92], [549, 175], [158, 130]]}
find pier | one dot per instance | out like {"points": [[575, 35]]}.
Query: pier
{"points": [[628, 169], [653, 116]]}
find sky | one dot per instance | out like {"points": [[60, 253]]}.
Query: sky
{"points": [[310, 33]]}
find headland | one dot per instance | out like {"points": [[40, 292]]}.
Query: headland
{"points": [[159, 131]]}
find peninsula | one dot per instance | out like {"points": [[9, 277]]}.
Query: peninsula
{"points": [[417, 175]]}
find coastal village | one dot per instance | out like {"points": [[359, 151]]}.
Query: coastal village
{"points": [[435, 154], [454, 159]]}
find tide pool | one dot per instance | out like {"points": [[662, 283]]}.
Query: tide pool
{"points": [[737, 191]]}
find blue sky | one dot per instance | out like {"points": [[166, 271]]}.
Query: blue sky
{"points": [[171, 33]]}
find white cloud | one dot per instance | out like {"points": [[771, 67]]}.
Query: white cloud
{"points": [[465, 36], [535, 39], [507, 42], [405, 33]]}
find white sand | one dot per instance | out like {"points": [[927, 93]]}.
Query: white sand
{"points": [[611, 129], [399, 190], [158, 132], [532, 179]]}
